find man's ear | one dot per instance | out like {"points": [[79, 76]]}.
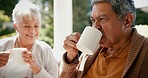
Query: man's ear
{"points": [[128, 20]]}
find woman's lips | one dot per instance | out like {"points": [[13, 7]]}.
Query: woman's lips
{"points": [[31, 36]]}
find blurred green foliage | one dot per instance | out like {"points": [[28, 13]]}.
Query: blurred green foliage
{"points": [[142, 17], [3, 18], [7, 6], [81, 15], [4, 29]]}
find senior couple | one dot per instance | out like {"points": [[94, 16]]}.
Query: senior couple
{"points": [[123, 52]]}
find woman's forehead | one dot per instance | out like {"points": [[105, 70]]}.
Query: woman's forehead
{"points": [[27, 19]]}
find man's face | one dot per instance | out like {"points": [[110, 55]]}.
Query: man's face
{"points": [[28, 30], [104, 19]]}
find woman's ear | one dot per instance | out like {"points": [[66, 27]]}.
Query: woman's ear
{"points": [[128, 20], [15, 27]]}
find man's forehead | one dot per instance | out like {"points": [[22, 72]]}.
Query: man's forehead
{"points": [[101, 9]]}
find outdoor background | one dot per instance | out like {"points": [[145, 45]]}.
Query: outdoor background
{"points": [[81, 13]]}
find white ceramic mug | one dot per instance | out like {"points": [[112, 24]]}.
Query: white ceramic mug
{"points": [[16, 56], [89, 40]]}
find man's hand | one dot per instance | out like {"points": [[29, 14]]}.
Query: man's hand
{"points": [[70, 46]]}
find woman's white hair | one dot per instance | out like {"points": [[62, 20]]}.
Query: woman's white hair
{"points": [[24, 8]]}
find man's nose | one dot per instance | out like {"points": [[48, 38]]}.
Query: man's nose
{"points": [[97, 25]]}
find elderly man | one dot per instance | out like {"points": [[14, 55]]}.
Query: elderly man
{"points": [[123, 53]]}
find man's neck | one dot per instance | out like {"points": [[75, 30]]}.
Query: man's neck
{"points": [[120, 45]]}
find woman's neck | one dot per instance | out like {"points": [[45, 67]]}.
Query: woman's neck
{"points": [[24, 45]]}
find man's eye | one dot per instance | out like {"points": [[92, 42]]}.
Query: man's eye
{"points": [[102, 20], [92, 20]]}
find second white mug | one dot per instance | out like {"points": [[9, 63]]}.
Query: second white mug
{"points": [[16, 56]]}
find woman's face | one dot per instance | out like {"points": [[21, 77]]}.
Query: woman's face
{"points": [[28, 30]]}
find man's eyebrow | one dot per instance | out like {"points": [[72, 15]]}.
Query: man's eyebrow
{"points": [[104, 15], [101, 15]]}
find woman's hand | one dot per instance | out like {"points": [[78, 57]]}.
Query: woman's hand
{"points": [[28, 58], [4, 58]]}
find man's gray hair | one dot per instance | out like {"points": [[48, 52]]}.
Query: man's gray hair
{"points": [[120, 7], [24, 8]]}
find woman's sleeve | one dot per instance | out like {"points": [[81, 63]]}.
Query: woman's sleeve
{"points": [[50, 69]]}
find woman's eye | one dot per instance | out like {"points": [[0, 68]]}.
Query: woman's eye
{"points": [[36, 26], [26, 26]]}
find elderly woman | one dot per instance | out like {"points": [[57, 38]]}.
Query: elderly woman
{"points": [[40, 62]]}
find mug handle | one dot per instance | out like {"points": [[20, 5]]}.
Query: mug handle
{"points": [[10, 57]]}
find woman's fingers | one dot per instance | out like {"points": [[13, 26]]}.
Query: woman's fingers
{"points": [[28, 57]]}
